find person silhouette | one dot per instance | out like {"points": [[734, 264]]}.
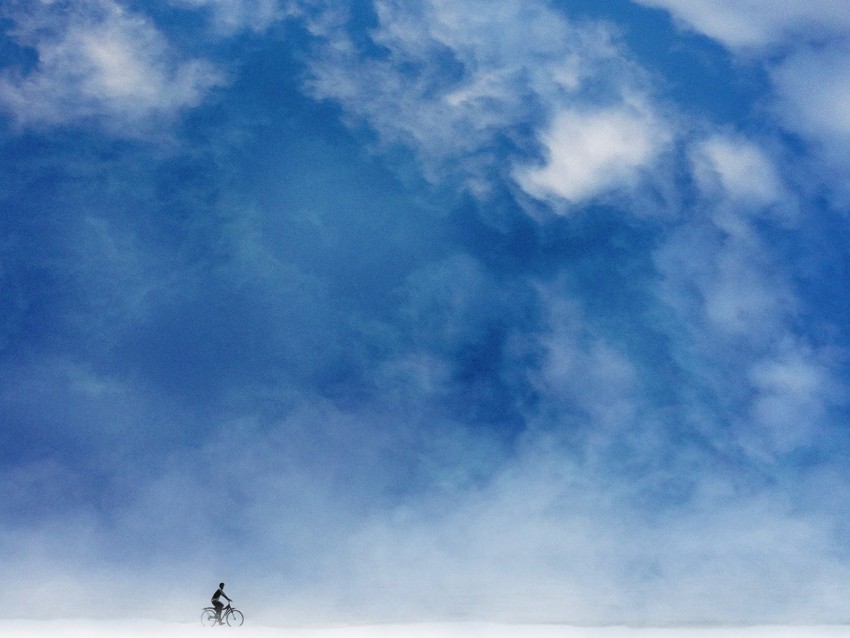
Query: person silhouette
{"points": [[217, 603]]}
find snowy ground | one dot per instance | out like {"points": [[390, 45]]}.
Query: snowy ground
{"points": [[143, 629]]}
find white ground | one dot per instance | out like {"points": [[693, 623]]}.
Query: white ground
{"points": [[150, 629]]}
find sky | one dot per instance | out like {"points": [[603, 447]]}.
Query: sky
{"points": [[383, 310]]}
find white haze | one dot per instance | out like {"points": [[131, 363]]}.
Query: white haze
{"points": [[134, 629]]}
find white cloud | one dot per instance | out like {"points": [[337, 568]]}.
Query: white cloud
{"points": [[737, 169], [813, 90], [739, 298], [582, 372], [794, 391], [717, 270], [592, 151], [720, 278], [758, 23], [555, 538], [301, 541], [803, 46], [736, 304], [231, 16], [465, 84], [103, 63]]}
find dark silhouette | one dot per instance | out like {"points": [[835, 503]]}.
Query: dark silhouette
{"points": [[217, 603], [221, 614]]}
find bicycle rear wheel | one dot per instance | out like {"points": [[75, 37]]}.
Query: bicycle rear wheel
{"points": [[208, 617], [235, 618]]}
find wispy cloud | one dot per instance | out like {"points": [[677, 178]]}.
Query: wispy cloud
{"points": [[758, 24], [229, 17], [465, 88], [100, 63], [739, 171], [812, 87], [724, 281], [803, 48]]}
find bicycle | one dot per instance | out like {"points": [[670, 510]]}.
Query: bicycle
{"points": [[230, 615]]}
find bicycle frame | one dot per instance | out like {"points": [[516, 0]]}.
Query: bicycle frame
{"points": [[229, 615]]}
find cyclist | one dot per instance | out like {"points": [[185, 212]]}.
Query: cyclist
{"points": [[217, 603]]}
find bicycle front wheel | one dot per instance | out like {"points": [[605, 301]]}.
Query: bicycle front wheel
{"points": [[235, 618], [208, 617]]}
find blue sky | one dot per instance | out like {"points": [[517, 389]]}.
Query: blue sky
{"points": [[403, 310]]}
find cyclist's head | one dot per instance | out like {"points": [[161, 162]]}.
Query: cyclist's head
{"points": [[221, 585]]}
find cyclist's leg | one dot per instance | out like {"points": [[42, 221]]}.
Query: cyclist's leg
{"points": [[218, 607]]}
